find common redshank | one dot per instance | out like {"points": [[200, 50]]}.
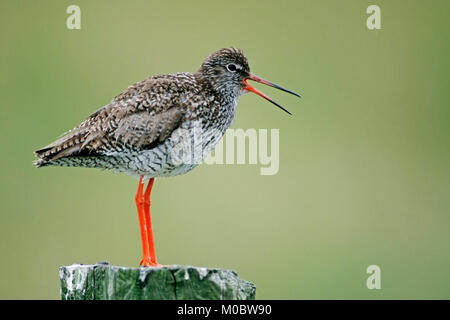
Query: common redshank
{"points": [[148, 130]]}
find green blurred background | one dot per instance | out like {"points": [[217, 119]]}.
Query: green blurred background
{"points": [[364, 162]]}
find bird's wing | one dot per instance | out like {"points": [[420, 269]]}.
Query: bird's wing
{"points": [[142, 130], [141, 117]]}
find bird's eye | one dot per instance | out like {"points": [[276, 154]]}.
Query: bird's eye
{"points": [[232, 67]]}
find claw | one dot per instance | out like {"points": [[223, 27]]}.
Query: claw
{"points": [[146, 262]]}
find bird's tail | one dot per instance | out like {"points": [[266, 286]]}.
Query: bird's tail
{"points": [[44, 158], [67, 146], [40, 163]]}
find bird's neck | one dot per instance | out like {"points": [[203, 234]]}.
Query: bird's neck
{"points": [[228, 94], [223, 103]]}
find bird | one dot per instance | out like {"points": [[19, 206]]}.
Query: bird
{"points": [[162, 126]]}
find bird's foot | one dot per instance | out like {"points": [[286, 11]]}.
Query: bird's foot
{"points": [[146, 262]]}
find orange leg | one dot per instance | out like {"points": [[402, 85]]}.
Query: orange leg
{"points": [[148, 221], [147, 259]]}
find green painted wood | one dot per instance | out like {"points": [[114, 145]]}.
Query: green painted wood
{"points": [[105, 282]]}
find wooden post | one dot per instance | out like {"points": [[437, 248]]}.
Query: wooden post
{"points": [[105, 282]]}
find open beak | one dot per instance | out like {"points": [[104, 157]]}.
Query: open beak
{"points": [[261, 80]]}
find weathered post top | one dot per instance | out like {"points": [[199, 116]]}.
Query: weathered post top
{"points": [[105, 282]]}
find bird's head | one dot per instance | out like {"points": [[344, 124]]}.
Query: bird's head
{"points": [[228, 72]]}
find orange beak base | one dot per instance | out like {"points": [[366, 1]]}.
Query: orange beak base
{"points": [[268, 83]]}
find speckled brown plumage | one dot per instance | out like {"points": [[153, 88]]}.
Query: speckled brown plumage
{"points": [[143, 130], [140, 122]]}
